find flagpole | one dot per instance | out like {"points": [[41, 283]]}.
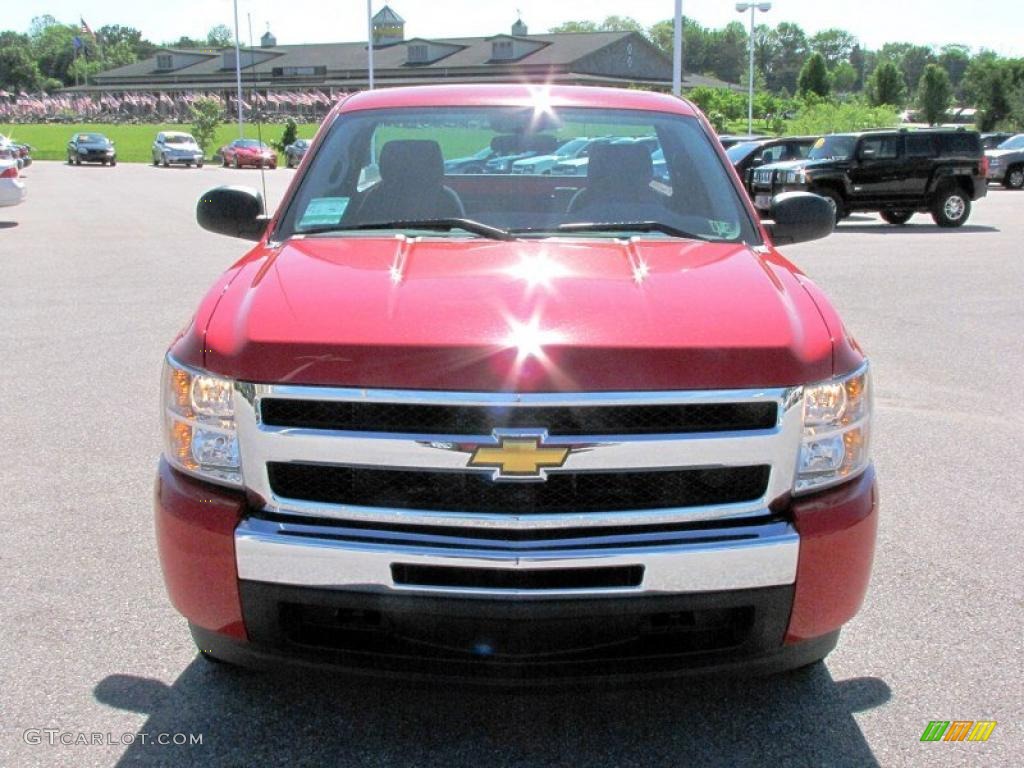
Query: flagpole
{"points": [[369, 42], [238, 73], [677, 50]]}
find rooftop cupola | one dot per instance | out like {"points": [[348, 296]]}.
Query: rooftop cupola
{"points": [[388, 27]]}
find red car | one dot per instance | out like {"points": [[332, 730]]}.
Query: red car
{"points": [[248, 152], [515, 427]]}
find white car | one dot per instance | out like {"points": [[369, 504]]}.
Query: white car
{"points": [[577, 148], [12, 188]]}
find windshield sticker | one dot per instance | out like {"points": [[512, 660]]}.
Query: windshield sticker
{"points": [[819, 143], [727, 230], [323, 211]]}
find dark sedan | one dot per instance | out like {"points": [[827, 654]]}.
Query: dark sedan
{"points": [[91, 148]]}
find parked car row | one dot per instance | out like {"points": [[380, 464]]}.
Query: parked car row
{"points": [[170, 148], [20, 153]]}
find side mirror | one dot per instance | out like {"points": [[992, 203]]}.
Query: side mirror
{"points": [[232, 211], [799, 217]]}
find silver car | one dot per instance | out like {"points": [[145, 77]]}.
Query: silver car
{"points": [[1006, 162], [173, 147]]}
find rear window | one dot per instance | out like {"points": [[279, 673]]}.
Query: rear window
{"points": [[961, 143], [395, 165]]}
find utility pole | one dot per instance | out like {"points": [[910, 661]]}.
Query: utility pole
{"points": [[238, 73], [369, 43], [677, 50]]}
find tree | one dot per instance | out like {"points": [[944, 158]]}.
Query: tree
{"points": [[844, 77], [790, 44], [934, 93], [955, 59], [52, 47], [187, 42], [574, 26], [610, 24], [206, 115], [695, 42], [117, 36], [220, 36], [858, 60], [835, 45], [18, 70], [914, 61], [992, 83], [727, 52], [885, 86], [291, 132], [814, 77]]}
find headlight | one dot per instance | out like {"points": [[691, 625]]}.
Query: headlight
{"points": [[795, 177], [199, 424], [837, 421]]}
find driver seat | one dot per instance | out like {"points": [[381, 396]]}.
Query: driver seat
{"points": [[410, 186]]}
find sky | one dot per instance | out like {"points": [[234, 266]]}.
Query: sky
{"points": [[994, 24]]}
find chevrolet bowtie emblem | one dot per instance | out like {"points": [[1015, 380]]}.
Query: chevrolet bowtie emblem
{"points": [[519, 457]]}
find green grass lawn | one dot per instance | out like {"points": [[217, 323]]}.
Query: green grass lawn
{"points": [[133, 142]]}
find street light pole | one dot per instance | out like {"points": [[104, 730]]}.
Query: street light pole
{"points": [[764, 7], [677, 50], [238, 72], [369, 43]]}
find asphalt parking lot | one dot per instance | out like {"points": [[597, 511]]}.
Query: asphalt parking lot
{"points": [[102, 266]]}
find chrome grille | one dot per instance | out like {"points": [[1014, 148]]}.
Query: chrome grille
{"points": [[672, 457]]}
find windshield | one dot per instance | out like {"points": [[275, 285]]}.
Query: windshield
{"points": [[92, 138], [737, 152], [1016, 142], [249, 143], [833, 148], [179, 138], [388, 167]]}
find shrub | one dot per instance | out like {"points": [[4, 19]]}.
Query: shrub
{"points": [[206, 114]]}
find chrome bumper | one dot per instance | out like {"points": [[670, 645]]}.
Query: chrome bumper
{"points": [[708, 560]]}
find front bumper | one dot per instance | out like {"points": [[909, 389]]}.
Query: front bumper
{"points": [[258, 590], [184, 159], [12, 192]]}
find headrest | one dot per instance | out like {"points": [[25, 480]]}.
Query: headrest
{"points": [[624, 163], [505, 143], [541, 143], [415, 160]]}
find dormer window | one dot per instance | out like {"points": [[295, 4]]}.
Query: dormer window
{"points": [[502, 49], [418, 54], [164, 61]]}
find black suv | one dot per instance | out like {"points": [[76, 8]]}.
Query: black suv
{"points": [[896, 173]]}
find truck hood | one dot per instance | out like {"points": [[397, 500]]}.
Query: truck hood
{"points": [[531, 315], [789, 165]]}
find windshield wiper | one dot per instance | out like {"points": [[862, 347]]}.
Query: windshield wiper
{"points": [[469, 225], [630, 226]]}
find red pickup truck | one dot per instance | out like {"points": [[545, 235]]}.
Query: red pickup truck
{"points": [[515, 427]]}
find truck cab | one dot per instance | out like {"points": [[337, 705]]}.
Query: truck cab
{"points": [[513, 428]]}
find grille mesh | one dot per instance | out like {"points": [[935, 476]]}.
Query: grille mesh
{"points": [[563, 492], [405, 418]]}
